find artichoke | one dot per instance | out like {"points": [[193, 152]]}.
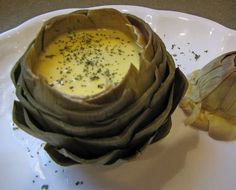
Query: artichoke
{"points": [[104, 127], [210, 101]]}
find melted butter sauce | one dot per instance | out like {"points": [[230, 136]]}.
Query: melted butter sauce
{"points": [[86, 62]]}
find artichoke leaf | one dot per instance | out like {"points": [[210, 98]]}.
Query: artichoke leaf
{"points": [[121, 22], [58, 157], [145, 29]]}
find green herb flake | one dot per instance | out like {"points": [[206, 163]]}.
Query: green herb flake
{"points": [[49, 56], [79, 183], [100, 86], [44, 187], [173, 46], [196, 56]]}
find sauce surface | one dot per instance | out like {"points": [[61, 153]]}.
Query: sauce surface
{"points": [[86, 62]]}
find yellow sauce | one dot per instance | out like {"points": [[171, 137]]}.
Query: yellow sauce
{"points": [[86, 62]]}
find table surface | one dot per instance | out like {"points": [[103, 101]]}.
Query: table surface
{"points": [[14, 12]]}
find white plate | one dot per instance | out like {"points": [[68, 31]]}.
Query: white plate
{"points": [[185, 159]]}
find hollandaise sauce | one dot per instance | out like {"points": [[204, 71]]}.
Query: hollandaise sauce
{"points": [[86, 62]]}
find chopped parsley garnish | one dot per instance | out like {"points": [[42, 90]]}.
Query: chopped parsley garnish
{"points": [[44, 187]]}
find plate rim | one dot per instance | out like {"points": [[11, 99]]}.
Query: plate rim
{"points": [[170, 13]]}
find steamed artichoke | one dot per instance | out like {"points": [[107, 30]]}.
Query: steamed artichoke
{"points": [[210, 101], [111, 125]]}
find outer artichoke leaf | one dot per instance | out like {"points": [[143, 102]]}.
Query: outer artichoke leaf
{"points": [[180, 88], [146, 75], [64, 24], [147, 34], [58, 157], [100, 160], [159, 58], [25, 103], [152, 39], [161, 132], [163, 68], [156, 123], [160, 95], [19, 119], [15, 73], [111, 18]]}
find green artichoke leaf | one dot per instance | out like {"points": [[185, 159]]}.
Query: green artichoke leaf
{"points": [[147, 35], [58, 157]]}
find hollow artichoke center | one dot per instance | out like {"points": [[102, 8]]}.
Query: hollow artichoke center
{"points": [[86, 62]]}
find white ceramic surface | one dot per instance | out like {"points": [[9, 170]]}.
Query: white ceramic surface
{"points": [[185, 159]]}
